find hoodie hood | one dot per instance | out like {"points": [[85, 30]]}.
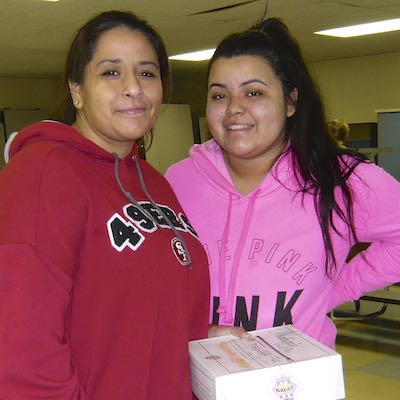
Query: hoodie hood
{"points": [[57, 132], [209, 160]]}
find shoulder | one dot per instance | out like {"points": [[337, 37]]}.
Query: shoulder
{"points": [[181, 170], [374, 189], [179, 166], [371, 174], [40, 187], [39, 172], [201, 155], [38, 161]]}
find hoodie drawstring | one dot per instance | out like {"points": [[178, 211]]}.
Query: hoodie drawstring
{"points": [[227, 300], [222, 257], [153, 203]]}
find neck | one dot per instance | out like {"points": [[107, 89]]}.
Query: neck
{"points": [[247, 174], [122, 148]]}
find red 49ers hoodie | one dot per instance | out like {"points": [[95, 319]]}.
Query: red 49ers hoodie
{"points": [[102, 278]]}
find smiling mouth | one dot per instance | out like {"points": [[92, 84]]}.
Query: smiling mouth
{"points": [[239, 127], [132, 111]]}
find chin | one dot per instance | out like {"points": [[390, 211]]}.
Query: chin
{"points": [[239, 151], [133, 132]]}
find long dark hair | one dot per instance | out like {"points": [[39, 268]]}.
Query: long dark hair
{"points": [[83, 47], [320, 167]]}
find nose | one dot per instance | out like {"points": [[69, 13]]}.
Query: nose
{"points": [[132, 86], [235, 107]]}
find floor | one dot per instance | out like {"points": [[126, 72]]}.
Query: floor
{"points": [[370, 349]]}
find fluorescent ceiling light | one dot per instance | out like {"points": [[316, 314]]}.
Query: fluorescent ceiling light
{"points": [[363, 29], [194, 56]]}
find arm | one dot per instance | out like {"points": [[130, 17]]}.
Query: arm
{"points": [[34, 347], [377, 219], [40, 224]]}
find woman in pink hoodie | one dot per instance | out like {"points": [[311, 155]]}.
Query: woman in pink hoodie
{"points": [[277, 205]]}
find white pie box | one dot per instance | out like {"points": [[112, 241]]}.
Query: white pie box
{"points": [[279, 363]]}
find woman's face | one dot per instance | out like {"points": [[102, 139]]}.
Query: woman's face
{"points": [[247, 109], [121, 94]]}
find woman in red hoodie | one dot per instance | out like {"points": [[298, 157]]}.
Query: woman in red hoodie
{"points": [[102, 278]]}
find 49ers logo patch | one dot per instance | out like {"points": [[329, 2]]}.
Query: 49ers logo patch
{"points": [[130, 229], [179, 251]]}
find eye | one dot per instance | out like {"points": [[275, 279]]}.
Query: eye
{"points": [[218, 96], [254, 93], [147, 74], [110, 72]]}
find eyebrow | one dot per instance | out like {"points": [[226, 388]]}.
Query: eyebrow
{"points": [[221, 85], [119, 61]]}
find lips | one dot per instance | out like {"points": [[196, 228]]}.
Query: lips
{"points": [[238, 127], [132, 110]]}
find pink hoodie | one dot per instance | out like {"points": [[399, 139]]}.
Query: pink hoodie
{"points": [[266, 251]]}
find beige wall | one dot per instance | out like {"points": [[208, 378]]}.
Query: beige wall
{"points": [[24, 93], [29, 93], [189, 87], [172, 136], [354, 88]]}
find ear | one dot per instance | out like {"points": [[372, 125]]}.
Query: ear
{"points": [[292, 102], [76, 94]]}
